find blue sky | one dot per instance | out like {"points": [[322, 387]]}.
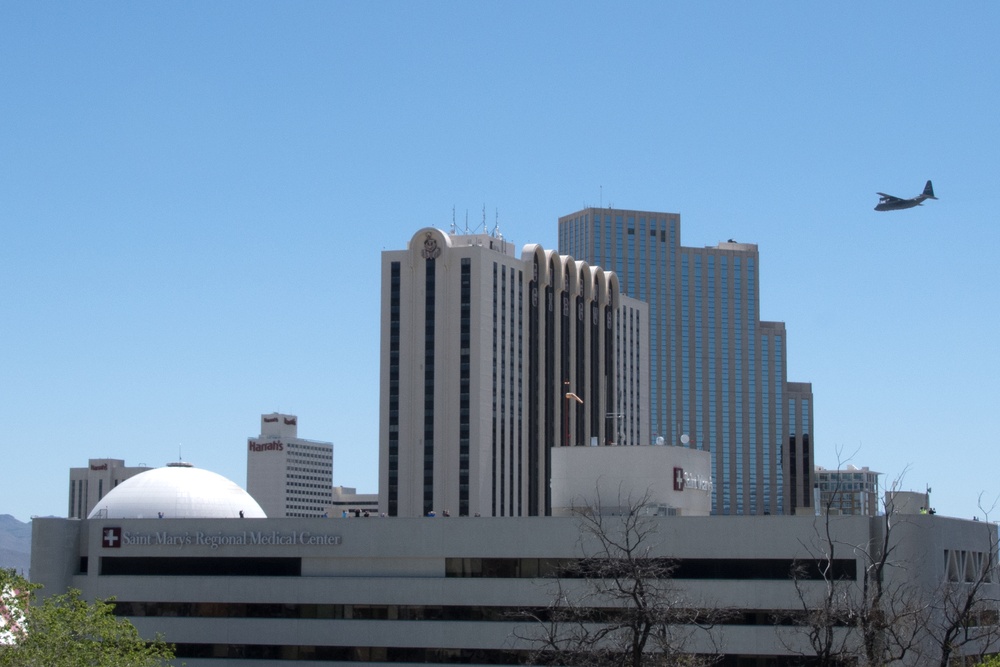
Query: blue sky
{"points": [[194, 198]]}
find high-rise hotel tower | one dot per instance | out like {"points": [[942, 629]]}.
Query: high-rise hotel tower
{"points": [[718, 377], [287, 475], [489, 360]]}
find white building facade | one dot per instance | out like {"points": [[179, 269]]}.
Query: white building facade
{"points": [[488, 361], [266, 592], [287, 475], [656, 480]]}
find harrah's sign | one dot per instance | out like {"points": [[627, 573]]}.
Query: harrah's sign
{"points": [[273, 446]]}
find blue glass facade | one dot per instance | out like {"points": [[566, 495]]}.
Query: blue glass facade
{"points": [[717, 373]]}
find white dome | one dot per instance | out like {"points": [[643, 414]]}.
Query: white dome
{"points": [[179, 492]]}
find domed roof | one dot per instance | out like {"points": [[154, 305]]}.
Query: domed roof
{"points": [[179, 491]]}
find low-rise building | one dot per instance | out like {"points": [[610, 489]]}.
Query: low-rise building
{"points": [[444, 590]]}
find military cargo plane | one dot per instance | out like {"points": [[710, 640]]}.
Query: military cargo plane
{"points": [[890, 203]]}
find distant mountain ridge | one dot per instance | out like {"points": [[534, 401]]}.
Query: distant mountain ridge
{"points": [[15, 544]]}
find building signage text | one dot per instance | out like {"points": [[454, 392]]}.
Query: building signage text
{"points": [[274, 445], [697, 482], [688, 480], [114, 538]]}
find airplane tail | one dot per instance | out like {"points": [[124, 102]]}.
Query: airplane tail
{"points": [[929, 191]]}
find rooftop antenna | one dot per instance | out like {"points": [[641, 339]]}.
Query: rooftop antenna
{"points": [[496, 226], [466, 221], [602, 197], [453, 220], [179, 463]]}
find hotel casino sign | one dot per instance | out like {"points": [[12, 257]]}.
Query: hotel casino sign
{"points": [[272, 446]]}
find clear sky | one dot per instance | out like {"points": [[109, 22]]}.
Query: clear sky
{"points": [[194, 198]]}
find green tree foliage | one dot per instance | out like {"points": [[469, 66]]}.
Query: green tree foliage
{"points": [[67, 631]]}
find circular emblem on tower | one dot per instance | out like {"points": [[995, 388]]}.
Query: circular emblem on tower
{"points": [[431, 249]]}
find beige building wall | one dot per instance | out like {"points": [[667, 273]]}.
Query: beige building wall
{"points": [[488, 361], [629, 424]]}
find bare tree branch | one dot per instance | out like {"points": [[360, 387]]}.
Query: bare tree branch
{"points": [[617, 606], [966, 604], [872, 618]]}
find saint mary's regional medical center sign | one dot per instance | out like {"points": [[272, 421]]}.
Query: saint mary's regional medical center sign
{"points": [[113, 537]]}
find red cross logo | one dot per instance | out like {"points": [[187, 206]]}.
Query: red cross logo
{"points": [[112, 538]]}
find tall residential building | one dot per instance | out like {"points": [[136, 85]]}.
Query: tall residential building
{"points": [[87, 486], [718, 373], [851, 490], [287, 475], [488, 361]]}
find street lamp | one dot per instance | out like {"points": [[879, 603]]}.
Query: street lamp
{"points": [[566, 398]]}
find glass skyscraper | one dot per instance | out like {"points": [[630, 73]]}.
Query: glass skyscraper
{"points": [[718, 377]]}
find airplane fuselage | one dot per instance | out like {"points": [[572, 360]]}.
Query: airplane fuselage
{"points": [[891, 203], [901, 204]]}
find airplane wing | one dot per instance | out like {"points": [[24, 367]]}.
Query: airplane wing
{"points": [[888, 198]]}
